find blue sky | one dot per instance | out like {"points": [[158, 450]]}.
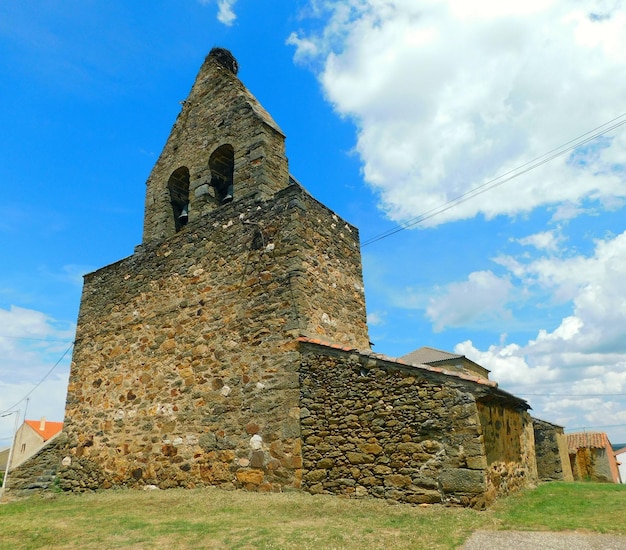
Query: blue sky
{"points": [[392, 109]]}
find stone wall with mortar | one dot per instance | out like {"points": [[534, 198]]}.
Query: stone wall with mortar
{"points": [[594, 464], [218, 111], [551, 450], [38, 473], [509, 446], [371, 427], [185, 368]]}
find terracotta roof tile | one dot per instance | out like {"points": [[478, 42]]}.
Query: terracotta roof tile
{"points": [[595, 440], [50, 428]]}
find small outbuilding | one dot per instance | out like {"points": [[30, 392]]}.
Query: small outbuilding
{"points": [[551, 449], [29, 439], [592, 457]]}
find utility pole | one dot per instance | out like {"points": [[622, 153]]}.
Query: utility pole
{"points": [[6, 471]]}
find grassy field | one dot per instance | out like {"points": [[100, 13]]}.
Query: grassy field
{"points": [[219, 519]]}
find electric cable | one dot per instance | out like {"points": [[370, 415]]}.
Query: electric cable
{"points": [[575, 143], [41, 381]]}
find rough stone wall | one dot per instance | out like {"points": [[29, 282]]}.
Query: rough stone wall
{"points": [[594, 464], [38, 473], [503, 431], [330, 282], [509, 445], [218, 111], [582, 462], [551, 451], [602, 465], [185, 366], [372, 428]]}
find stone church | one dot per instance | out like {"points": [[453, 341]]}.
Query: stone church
{"points": [[231, 349]]}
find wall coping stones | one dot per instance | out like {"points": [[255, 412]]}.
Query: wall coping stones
{"points": [[488, 389]]}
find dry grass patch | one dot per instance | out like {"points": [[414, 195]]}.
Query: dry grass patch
{"points": [[219, 519], [211, 518]]}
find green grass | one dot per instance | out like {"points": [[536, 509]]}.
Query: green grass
{"points": [[218, 519], [593, 507]]}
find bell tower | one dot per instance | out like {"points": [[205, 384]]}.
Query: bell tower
{"points": [[224, 146], [185, 369]]}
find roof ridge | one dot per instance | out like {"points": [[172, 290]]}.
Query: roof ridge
{"points": [[399, 361]]}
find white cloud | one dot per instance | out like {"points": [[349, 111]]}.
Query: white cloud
{"points": [[482, 296], [225, 13], [546, 240], [585, 354], [31, 343], [305, 48], [595, 284], [507, 364], [376, 318], [448, 94]]}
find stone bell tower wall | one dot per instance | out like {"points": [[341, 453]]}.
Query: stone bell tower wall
{"points": [[185, 370], [219, 112]]}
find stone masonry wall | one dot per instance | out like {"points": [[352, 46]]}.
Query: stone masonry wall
{"points": [[38, 473], [372, 428], [551, 450], [509, 445], [328, 279], [185, 366], [503, 430]]}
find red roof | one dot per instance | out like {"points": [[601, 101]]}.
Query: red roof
{"points": [[595, 440], [50, 429]]}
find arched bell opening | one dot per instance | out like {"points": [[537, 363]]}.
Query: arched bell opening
{"points": [[178, 186], [222, 166]]}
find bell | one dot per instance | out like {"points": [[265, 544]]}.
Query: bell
{"points": [[184, 215]]}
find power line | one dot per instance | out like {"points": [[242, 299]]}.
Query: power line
{"points": [[594, 427], [35, 339], [506, 177], [41, 381]]}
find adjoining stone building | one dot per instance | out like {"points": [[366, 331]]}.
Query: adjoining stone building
{"points": [[231, 349], [551, 449], [592, 457], [30, 437]]}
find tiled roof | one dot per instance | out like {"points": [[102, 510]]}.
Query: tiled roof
{"points": [[370, 353], [50, 428], [429, 355], [595, 440]]}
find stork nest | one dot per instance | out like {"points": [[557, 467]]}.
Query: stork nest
{"points": [[225, 59]]}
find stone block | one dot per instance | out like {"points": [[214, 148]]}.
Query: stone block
{"points": [[476, 462], [254, 477], [461, 480], [371, 448], [315, 476], [359, 458], [325, 463], [397, 480]]}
